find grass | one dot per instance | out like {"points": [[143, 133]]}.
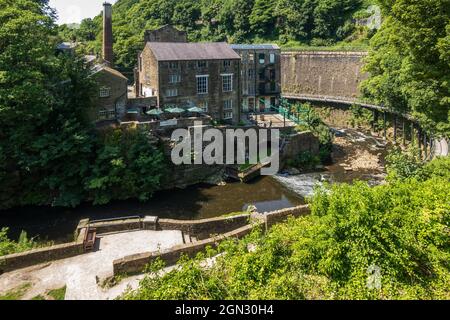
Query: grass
{"points": [[16, 293], [58, 294]]}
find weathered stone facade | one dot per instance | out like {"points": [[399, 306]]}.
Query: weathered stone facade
{"points": [[260, 77], [318, 73], [175, 82], [111, 99], [166, 33]]}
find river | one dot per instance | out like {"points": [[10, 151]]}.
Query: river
{"points": [[356, 156]]}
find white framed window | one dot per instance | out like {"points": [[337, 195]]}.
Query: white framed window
{"points": [[172, 92], [227, 115], [105, 92], [227, 63], [272, 58], [203, 105], [228, 105], [174, 78], [202, 84], [227, 82], [251, 57]]}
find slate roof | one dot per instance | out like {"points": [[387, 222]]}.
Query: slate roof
{"points": [[101, 67], [254, 47], [171, 51]]}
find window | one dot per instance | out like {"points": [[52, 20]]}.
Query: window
{"points": [[226, 63], [262, 58], [202, 64], [251, 73], [202, 84], [172, 92], [105, 92], [173, 65], [227, 82], [174, 78], [203, 105], [272, 75], [227, 115], [251, 57], [272, 58], [105, 114], [251, 88], [228, 105]]}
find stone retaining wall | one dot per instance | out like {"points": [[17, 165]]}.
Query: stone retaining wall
{"points": [[136, 263], [213, 231], [202, 229], [320, 73], [32, 257]]}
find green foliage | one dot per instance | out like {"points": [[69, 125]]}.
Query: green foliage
{"points": [[127, 166], [303, 22], [50, 153], [8, 246], [400, 228], [58, 294], [360, 116], [17, 293], [403, 164], [304, 161], [409, 62], [313, 122]]}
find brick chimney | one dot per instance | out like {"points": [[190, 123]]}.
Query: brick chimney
{"points": [[108, 54]]}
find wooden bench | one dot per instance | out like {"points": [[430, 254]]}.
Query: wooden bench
{"points": [[89, 240]]}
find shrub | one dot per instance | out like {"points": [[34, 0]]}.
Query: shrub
{"points": [[402, 228]]}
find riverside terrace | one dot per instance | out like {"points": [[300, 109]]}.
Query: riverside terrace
{"points": [[123, 247]]}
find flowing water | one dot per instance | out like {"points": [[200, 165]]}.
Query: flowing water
{"points": [[202, 201]]}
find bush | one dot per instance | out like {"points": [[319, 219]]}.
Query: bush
{"points": [[8, 246], [400, 229], [403, 164]]}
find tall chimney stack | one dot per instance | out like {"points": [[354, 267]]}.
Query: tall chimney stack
{"points": [[108, 53]]}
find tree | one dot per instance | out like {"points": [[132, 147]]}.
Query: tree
{"points": [[262, 20], [409, 64]]}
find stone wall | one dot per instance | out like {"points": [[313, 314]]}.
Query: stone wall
{"points": [[282, 215], [299, 143], [42, 255], [136, 263], [317, 73], [202, 229]]}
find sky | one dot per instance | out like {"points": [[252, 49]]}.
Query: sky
{"points": [[73, 11]]}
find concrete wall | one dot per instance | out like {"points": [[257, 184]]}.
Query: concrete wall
{"points": [[317, 73]]}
